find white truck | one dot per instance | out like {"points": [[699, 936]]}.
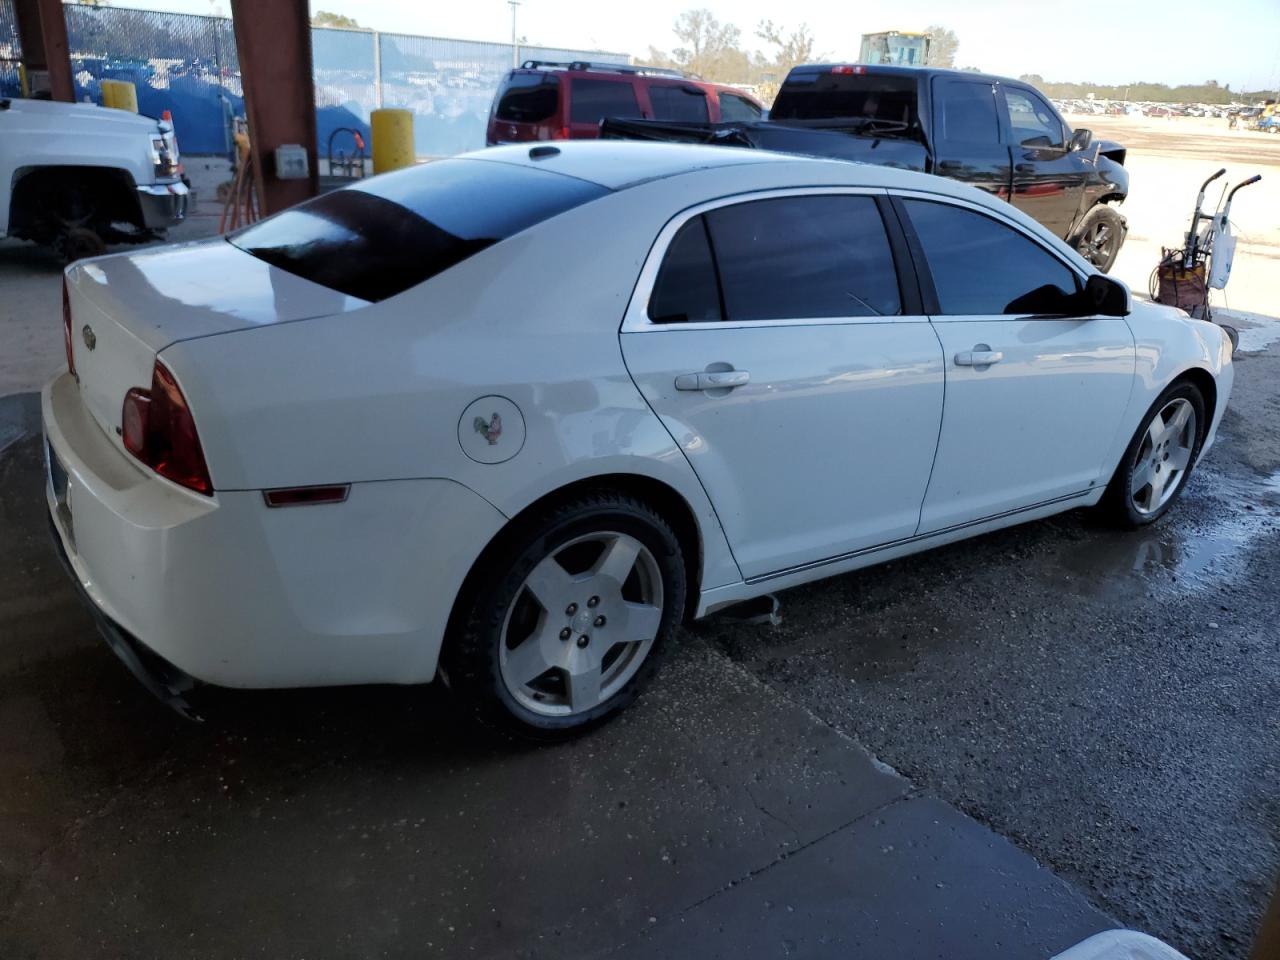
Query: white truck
{"points": [[77, 176]]}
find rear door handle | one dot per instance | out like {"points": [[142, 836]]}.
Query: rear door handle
{"points": [[717, 380], [978, 358]]}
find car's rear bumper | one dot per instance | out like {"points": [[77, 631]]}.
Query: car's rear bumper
{"points": [[230, 592], [161, 678]]}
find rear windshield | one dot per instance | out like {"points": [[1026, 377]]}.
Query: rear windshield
{"points": [[831, 96], [381, 237], [528, 97]]}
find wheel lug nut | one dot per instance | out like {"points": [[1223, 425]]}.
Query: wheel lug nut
{"points": [[566, 633], [594, 601], [600, 621], [583, 640], [571, 610]]}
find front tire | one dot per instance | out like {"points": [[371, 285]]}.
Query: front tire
{"points": [[1099, 236], [567, 619], [78, 243], [1159, 458]]}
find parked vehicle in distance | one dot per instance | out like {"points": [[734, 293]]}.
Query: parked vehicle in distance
{"points": [[991, 132], [76, 176], [544, 100], [385, 445]]}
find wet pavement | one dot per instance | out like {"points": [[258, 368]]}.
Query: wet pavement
{"points": [[879, 775], [1109, 701], [370, 822]]}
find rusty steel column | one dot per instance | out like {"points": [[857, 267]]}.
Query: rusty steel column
{"points": [[273, 42], [42, 31]]}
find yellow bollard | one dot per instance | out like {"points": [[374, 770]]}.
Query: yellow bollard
{"points": [[392, 139], [120, 95]]}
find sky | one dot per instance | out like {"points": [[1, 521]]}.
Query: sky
{"points": [[1235, 42]]}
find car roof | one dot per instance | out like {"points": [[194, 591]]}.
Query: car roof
{"points": [[640, 70], [618, 164], [879, 69], [636, 71]]}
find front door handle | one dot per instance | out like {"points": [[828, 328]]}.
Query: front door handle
{"points": [[713, 380], [979, 357]]}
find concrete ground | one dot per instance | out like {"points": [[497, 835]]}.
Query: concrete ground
{"points": [[993, 749]]}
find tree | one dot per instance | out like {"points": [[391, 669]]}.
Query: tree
{"points": [[710, 48], [793, 48], [323, 18], [943, 45]]}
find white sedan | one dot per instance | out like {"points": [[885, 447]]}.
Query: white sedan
{"points": [[510, 418]]}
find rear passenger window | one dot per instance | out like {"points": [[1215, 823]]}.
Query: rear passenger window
{"points": [[593, 100], [968, 112], [982, 267], [733, 107], [678, 103], [686, 290], [804, 257]]}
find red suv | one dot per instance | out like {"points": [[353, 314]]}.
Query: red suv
{"points": [[566, 101]]}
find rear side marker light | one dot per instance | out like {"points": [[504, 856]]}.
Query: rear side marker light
{"points": [[305, 496]]}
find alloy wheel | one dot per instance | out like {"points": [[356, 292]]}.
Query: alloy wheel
{"points": [[1164, 456], [1095, 245], [581, 625]]}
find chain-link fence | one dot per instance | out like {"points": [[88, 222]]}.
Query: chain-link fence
{"points": [[10, 52], [184, 64], [187, 64]]}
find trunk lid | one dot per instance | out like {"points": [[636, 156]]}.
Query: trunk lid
{"points": [[126, 308]]}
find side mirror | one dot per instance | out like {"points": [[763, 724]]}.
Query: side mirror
{"points": [[1106, 296], [1080, 139]]}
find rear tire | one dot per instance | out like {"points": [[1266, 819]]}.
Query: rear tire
{"points": [[1099, 236], [1159, 459], [566, 620]]}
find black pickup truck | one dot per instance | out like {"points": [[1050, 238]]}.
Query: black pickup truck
{"points": [[995, 133]]}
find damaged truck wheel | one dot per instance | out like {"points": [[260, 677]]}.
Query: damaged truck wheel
{"points": [[78, 243]]}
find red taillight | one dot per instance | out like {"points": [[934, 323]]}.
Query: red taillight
{"points": [[158, 429], [66, 328], [849, 70]]}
